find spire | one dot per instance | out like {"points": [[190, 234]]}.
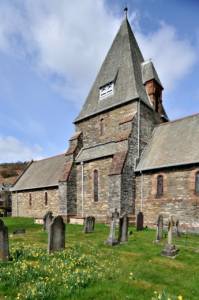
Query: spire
{"points": [[120, 76], [126, 11]]}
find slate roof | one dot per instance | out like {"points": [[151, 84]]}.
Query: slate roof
{"points": [[149, 72], [100, 151], [172, 144], [123, 66], [42, 173], [118, 163]]}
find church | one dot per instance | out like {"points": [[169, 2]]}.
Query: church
{"points": [[125, 154]]}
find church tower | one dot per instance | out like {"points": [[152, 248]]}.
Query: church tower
{"points": [[112, 129]]}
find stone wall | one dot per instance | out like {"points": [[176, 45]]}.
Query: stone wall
{"points": [[72, 192], [178, 199], [145, 123], [117, 190], [63, 207], [112, 126], [21, 207], [97, 209]]}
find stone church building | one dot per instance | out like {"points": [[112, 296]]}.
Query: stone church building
{"points": [[125, 153]]}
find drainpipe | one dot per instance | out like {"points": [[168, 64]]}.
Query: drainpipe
{"points": [[17, 206], [82, 164], [138, 110], [141, 192]]}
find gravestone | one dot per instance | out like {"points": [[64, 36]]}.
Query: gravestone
{"points": [[56, 234], [178, 228], [115, 214], [170, 249], [159, 232], [89, 224], [48, 217], [112, 240], [140, 221], [4, 243], [123, 228], [19, 231]]}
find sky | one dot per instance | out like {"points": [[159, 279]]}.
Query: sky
{"points": [[51, 51]]}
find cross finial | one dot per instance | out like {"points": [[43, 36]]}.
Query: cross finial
{"points": [[126, 11]]}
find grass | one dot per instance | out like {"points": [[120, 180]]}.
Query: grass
{"points": [[89, 269]]}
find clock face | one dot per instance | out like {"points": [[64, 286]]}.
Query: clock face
{"points": [[106, 91]]}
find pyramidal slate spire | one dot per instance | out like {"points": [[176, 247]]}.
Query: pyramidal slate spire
{"points": [[122, 68]]}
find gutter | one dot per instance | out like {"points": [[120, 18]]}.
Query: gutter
{"points": [[138, 109], [166, 167]]}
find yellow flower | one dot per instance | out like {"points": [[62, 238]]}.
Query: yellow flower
{"points": [[180, 297]]}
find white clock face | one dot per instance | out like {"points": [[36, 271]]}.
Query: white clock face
{"points": [[106, 91]]}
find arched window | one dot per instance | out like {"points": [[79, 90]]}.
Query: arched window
{"points": [[101, 126], [46, 198], [159, 185], [197, 183], [30, 200], [95, 185]]}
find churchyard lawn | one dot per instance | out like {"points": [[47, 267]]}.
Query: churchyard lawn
{"points": [[89, 269]]}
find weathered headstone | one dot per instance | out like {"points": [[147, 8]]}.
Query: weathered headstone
{"points": [[170, 249], [112, 240], [56, 235], [123, 228], [140, 221], [19, 231], [89, 224], [4, 243], [48, 217], [159, 232], [177, 228], [115, 214]]}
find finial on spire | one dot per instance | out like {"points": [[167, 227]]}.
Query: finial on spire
{"points": [[126, 11]]}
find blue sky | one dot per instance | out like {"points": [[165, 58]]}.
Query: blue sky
{"points": [[50, 52]]}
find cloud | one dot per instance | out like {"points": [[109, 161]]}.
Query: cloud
{"points": [[173, 56], [67, 42], [12, 150]]}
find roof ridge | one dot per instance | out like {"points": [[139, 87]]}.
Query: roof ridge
{"points": [[62, 154], [178, 120]]}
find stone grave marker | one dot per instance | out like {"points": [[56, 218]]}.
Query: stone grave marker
{"points": [[56, 235], [112, 240], [159, 232], [140, 221], [115, 214], [178, 228], [48, 217], [89, 224], [123, 228], [4, 242], [19, 231], [170, 249]]}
